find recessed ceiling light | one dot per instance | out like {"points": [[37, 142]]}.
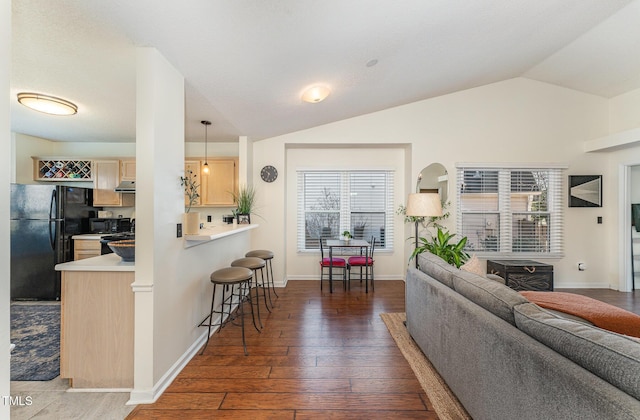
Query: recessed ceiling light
{"points": [[47, 104], [315, 94]]}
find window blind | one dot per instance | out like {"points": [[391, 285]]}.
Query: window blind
{"points": [[330, 202], [511, 210]]}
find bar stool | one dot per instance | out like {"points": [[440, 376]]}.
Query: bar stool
{"points": [[267, 256], [225, 277], [255, 264]]}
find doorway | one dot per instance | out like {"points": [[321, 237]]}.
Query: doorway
{"points": [[629, 226]]}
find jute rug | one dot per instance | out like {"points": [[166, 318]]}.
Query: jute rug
{"points": [[444, 402]]}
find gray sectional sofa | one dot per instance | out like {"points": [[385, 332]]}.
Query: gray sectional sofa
{"points": [[506, 358]]}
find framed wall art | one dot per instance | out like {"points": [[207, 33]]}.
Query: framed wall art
{"points": [[585, 190]]}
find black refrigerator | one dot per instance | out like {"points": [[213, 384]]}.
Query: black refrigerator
{"points": [[43, 219]]}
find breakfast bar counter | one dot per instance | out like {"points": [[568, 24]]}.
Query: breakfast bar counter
{"points": [[106, 262]]}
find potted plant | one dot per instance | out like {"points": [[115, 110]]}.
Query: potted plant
{"points": [[347, 236], [245, 201], [191, 220], [442, 246]]}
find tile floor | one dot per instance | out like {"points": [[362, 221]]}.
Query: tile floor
{"points": [[50, 400]]}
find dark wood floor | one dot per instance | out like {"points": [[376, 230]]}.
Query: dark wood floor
{"points": [[625, 300], [319, 356]]}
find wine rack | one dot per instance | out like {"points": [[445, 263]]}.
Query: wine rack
{"points": [[62, 170]]}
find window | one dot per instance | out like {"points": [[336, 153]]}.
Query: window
{"points": [[510, 210], [330, 202]]}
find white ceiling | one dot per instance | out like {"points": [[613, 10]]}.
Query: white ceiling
{"points": [[246, 62]]}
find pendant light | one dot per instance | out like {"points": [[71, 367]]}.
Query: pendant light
{"points": [[205, 169]]}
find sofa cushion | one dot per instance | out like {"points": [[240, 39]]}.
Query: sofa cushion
{"points": [[491, 295], [473, 265], [437, 268], [613, 357]]}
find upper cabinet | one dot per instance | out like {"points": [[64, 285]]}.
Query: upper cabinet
{"points": [[221, 184], [106, 174], [128, 170], [218, 187]]}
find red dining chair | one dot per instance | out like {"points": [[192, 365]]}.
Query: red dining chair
{"points": [[335, 264], [364, 261]]}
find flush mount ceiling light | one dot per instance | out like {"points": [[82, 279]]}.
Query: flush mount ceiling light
{"points": [[205, 167], [47, 104], [315, 94]]}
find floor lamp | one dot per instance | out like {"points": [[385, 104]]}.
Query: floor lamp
{"points": [[423, 205]]}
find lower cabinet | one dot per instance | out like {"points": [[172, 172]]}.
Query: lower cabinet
{"points": [[86, 248], [96, 330]]}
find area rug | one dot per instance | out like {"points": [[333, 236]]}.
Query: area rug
{"points": [[35, 331], [444, 402]]}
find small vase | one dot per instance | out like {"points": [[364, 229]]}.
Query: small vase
{"points": [[191, 222]]}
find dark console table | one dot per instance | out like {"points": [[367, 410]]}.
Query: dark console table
{"points": [[523, 274]]}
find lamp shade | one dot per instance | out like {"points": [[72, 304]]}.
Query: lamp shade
{"points": [[424, 205]]}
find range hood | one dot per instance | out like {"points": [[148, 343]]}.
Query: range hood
{"points": [[126, 187]]}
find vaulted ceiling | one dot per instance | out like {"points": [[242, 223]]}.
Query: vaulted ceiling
{"points": [[246, 62]]}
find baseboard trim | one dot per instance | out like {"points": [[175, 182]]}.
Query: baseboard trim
{"points": [[317, 278], [569, 285], [150, 396]]}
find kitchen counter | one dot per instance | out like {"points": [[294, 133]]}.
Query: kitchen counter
{"points": [[216, 232], [106, 262], [91, 236]]}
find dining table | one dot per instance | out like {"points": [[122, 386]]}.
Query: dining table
{"points": [[341, 243]]}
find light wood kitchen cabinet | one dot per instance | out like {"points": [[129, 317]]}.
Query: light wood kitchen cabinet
{"points": [[96, 331], [106, 177], [218, 187], [128, 170], [86, 248]]}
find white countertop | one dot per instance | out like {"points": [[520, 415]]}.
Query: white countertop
{"points": [[216, 232], [106, 262], [91, 236]]}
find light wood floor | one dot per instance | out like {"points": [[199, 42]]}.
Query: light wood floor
{"points": [[319, 356]]}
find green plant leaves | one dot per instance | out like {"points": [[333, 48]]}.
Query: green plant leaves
{"points": [[452, 253]]}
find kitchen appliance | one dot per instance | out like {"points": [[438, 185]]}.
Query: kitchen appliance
{"points": [[109, 225], [43, 219]]}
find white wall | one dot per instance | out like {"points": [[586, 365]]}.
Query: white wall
{"points": [[517, 120], [624, 112], [5, 178]]}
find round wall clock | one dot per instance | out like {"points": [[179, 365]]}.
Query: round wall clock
{"points": [[269, 173]]}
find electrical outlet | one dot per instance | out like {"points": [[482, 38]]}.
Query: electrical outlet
{"points": [[179, 231], [209, 218], [599, 220], [582, 266]]}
